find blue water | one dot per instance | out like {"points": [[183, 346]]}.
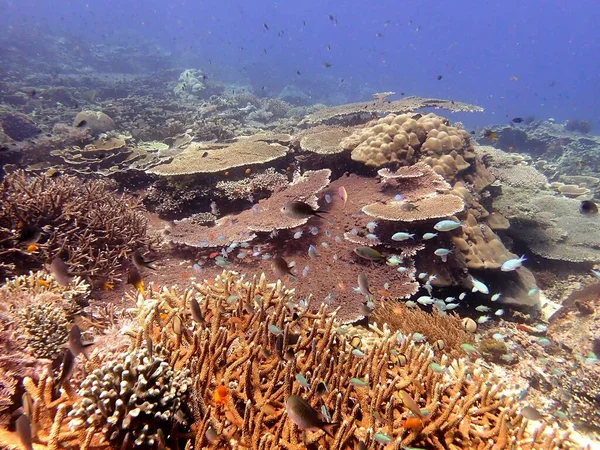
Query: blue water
{"points": [[513, 57]]}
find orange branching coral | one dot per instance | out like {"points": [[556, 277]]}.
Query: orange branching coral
{"points": [[253, 343], [250, 342]]}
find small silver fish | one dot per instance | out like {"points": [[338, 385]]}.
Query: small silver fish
{"points": [[513, 264], [402, 236], [428, 236], [447, 225]]}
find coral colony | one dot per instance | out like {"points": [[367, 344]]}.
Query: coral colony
{"points": [[285, 277]]}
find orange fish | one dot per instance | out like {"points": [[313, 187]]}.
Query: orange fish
{"points": [[226, 173], [32, 248], [343, 194], [220, 396], [213, 255], [43, 283], [412, 423], [248, 171]]}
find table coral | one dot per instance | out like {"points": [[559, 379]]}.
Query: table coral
{"points": [[252, 151], [407, 104]]}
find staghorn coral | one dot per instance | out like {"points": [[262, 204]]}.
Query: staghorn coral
{"points": [[236, 346], [91, 226], [134, 400], [373, 108], [467, 407], [433, 326]]}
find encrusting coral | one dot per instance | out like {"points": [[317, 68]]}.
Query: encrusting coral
{"points": [[87, 223], [248, 347]]}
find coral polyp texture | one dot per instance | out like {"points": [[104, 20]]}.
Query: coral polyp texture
{"points": [[88, 224], [133, 400], [249, 346]]}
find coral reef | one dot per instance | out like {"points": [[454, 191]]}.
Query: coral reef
{"points": [[252, 151], [190, 83], [246, 349], [86, 223], [549, 224], [46, 328], [135, 399], [253, 187], [376, 108]]}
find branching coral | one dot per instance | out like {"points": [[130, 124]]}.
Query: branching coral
{"points": [[247, 349], [87, 223]]}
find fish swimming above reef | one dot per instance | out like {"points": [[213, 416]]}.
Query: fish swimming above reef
{"points": [[29, 235], [363, 284], [513, 264], [300, 210], [491, 135], [66, 369], [447, 225], [305, 416], [24, 431], [134, 278], [60, 272], [369, 253], [588, 207], [139, 262], [75, 343], [280, 267]]}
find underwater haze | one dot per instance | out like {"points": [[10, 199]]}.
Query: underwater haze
{"points": [[299, 225], [514, 58]]}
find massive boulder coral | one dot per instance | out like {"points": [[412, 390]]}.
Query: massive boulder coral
{"points": [[549, 224]]}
